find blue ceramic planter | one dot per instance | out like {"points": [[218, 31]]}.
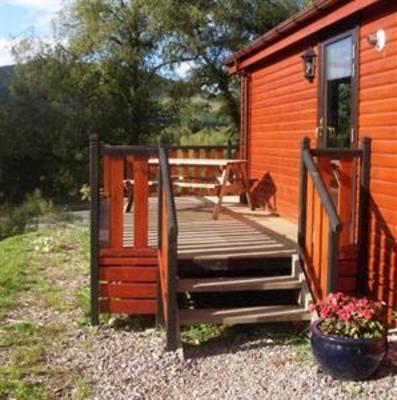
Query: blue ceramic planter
{"points": [[347, 359]]}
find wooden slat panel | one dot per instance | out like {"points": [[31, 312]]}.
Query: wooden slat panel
{"points": [[345, 197], [141, 201], [128, 261], [196, 171], [317, 241], [142, 306], [128, 252], [347, 268], [128, 274], [116, 201], [310, 215], [324, 249], [208, 171], [347, 284], [185, 171], [128, 290], [106, 175]]}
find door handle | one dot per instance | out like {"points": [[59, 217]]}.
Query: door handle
{"points": [[332, 131], [320, 129]]}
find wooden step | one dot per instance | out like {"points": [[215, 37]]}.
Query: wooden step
{"points": [[237, 284], [233, 316]]}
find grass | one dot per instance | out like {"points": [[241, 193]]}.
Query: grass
{"points": [[203, 333], [35, 274], [34, 271], [15, 277], [278, 334]]}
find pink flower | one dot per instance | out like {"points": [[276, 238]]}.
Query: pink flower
{"points": [[367, 314], [324, 312], [344, 315], [363, 302], [350, 307]]}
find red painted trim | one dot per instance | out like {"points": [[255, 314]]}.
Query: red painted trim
{"points": [[323, 21]]}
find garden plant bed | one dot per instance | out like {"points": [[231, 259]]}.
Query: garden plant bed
{"points": [[48, 349]]}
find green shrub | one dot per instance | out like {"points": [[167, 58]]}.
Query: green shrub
{"points": [[33, 210], [208, 137]]}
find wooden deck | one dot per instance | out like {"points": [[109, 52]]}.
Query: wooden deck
{"points": [[239, 232]]}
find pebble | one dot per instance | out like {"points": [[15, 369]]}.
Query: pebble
{"points": [[129, 365]]}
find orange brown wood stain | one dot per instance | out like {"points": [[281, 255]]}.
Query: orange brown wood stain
{"points": [[282, 108]]}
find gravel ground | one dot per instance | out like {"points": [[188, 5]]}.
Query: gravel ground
{"points": [[133, 365], [121, 364]]}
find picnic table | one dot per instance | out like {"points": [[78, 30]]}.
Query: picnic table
{"points": [[232, 179]]}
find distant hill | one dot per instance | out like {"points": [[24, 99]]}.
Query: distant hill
{"points": [[5, 73]]}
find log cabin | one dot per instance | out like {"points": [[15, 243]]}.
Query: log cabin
{"points": [[318, 142]]}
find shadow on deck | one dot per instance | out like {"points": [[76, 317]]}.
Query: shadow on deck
{"points": [[238, 233]]}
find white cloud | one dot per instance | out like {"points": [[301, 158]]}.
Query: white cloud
{"points": [[6, 57], [45, 5]]}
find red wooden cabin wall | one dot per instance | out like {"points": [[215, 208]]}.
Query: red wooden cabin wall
{"points": [[378, 119], [283, 108]]}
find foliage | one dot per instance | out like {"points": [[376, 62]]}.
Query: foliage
{"points": [[203, 333], [5, 73], [350, 317], [203, 32], [200, 122], [207, 137], [112, 70], [26, 216]]}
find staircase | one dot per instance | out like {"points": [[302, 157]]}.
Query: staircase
{"points": [[234, 271], [241, 291]]}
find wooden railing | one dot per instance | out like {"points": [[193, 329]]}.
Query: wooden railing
{"points": [[189, 174], [330, 227], [167, 244], [124, 268]]}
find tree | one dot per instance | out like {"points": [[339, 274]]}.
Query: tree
{"points": [[205, 31], [120, 42]]}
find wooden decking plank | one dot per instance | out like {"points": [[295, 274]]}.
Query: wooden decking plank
{"points": [[237, 284], [244, 315], [136, 306], [128, 261], [239, 232], [128, 290], [128, 274]]}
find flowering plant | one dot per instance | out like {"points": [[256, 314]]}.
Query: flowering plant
{"points": [[350, 317]]}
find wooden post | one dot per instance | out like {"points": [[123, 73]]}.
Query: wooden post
{"points": [[333, 252], [364, 214], [159, 303], [305, 146], [141, 198], [94, 224]]}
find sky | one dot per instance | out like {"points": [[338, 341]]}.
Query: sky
{"points": [[19, 17]]}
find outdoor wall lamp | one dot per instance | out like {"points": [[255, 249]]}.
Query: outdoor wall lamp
{"points": [[377, 39], [309, 64]]}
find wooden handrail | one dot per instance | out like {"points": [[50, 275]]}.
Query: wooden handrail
{"points": [[167, 244], [308, 167], [319, 185]]}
